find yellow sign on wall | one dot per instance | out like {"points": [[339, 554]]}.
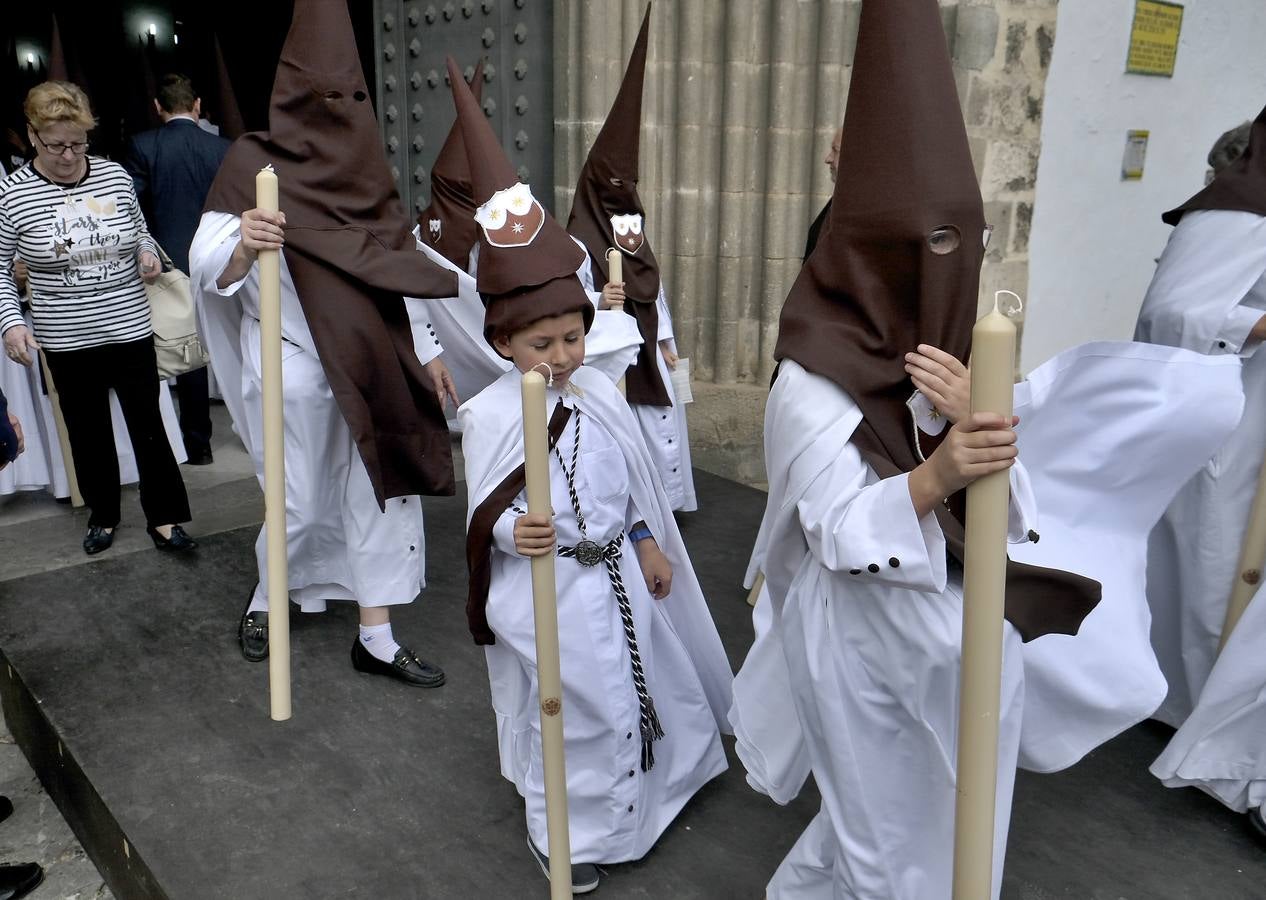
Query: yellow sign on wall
{"points": [[1154, 38]]}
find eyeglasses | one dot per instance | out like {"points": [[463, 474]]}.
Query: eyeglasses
{"points": [[77, 148]]}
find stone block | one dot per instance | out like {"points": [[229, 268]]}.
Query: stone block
{"points": [[1017, 38], [1045, 39], [1010, 167], [998, 213], [975, 36], [1023, 224], [726, 424]]}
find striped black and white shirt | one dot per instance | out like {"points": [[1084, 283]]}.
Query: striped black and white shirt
{"points": [[80, 245]]}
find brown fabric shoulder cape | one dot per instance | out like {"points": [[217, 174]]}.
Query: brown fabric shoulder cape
{"points": [[1241, 186], [349, 249]]}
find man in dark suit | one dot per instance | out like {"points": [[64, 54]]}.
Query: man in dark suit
{"points": [[173, 167]]}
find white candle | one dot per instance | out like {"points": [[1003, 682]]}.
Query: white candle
{"points": [[266, 198], [545, 608], [984, 589]]}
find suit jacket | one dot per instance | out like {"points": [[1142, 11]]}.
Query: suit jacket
{"points": [[173, 167]]}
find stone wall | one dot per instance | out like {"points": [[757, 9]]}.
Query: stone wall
{"points": [[740, 104]]}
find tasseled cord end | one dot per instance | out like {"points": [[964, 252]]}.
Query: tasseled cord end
{"points": [[652, 731]]}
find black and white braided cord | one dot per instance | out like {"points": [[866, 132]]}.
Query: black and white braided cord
{"points": [[650, 728]]}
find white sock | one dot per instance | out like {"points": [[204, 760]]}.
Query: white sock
{"points": [[259, 601], [378, 641]]}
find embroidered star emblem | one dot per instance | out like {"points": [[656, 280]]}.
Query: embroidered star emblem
{"points": [[632, 240], [517, 228], [495, 215], [70, 242], [934, 413], [60, 249]]}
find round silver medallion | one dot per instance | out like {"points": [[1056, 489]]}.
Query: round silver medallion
{"points": [[588, 553]]}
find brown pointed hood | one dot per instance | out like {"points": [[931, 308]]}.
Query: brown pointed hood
{"points": [[448, 223], [607, 212], [1241, 186], [349, 248], [58, 69], [229, 114], [527, 262], [898, 262]]}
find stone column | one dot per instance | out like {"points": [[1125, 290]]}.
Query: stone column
{"points": [[741, 101]]}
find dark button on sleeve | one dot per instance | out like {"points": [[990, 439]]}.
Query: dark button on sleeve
{"points": [[1222, 345], [894, 562], [873, 568], [854, 571], [1033, 536]]}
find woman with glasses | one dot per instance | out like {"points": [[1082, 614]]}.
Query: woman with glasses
{"points": [[75, 221]]}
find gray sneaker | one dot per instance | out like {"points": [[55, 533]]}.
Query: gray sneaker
{"points": [[584, 876]]}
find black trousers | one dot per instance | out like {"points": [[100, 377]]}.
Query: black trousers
{"points": [[193, 393], [84, 379]]}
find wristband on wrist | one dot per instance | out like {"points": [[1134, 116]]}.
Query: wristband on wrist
{"points": [[640, 534]]}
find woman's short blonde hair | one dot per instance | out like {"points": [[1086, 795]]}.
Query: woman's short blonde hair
{"points": [[58, 101]]}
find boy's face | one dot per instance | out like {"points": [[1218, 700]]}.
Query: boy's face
{"points": [[556, 341]]}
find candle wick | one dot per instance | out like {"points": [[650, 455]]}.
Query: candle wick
{"points": [[1011, 309], [549, 373]]}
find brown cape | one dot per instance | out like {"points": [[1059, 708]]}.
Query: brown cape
{"points": [[1241, 186], [349, 249], [608, 187]]}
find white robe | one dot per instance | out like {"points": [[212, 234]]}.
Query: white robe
{"points": [[340, 545], [1109, 432], [616, 811], [41, 465], [1208, 291], [867, 695]]}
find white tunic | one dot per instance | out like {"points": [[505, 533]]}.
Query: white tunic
{"points": [[340, 545], [616, 811], [866, 617], [1208, 291], [663, 428], [1109, 432]]}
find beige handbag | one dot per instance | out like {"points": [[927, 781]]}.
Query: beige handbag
{"points": [[177, 345]]}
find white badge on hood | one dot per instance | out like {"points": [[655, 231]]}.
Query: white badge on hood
{"points": [[627, 231], [511, 217]]}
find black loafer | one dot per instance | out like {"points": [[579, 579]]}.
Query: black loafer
{"points": [[179, 542], [405, 667], [252, 634], [19, 880], [97, 539]]}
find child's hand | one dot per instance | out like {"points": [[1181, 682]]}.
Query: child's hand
{"points": [[670, 358], [534, 535], [979, 445], [612, 295], [942, 379], [656, 569]]}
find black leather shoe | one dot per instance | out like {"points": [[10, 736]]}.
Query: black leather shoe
{"points": [[200, 457], [252, 633], [19, 880], [584, 876], [97, 539], [6, 808], [179, 542], [405, 667]]}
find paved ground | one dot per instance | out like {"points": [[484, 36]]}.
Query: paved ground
{"points": [[1103, 830]]}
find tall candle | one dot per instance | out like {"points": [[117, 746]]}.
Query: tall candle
{"points": [[545, 610], [1248, 574], [984, 587], [266, 198]]}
